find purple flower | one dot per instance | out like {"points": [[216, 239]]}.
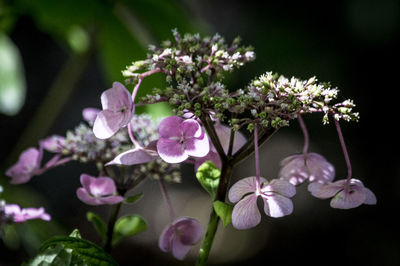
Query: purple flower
{"points": [[180, 139], [179, 236], [137, 156], [27, 166], [98, 191], [90, 114], [53, 143], [312, 166], [345, 195], [117, 111], [275, 195], [19, 215]]}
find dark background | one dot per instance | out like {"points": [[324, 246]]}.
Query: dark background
{"points": [[353, 44]]}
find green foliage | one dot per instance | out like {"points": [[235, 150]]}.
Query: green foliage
{"points": [[98, 224], [208, 175], [133, 199], [71, 250], [12, 85], [127, 226], [224, 211]]}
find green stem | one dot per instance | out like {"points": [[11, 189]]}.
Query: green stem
{"points": [[214, 219], [110, 227], [226, 172]]}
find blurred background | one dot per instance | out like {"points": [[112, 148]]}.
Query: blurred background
{"points": [[56, 58]]}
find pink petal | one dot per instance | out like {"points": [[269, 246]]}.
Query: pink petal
{"points": [[84, 196], [324, 191], [170, 127], [282, 187], [86, 180], [110, 200], [179, 250], [245, 214], [24, 169], [320, 169], [90, 114], [345, 200], [198, 147], [171, 150], [102, 186], [116, 98], [165, 240], [293, 169], [34, 213], [134, 156], [277, 206], [190, 231], [370, 198], [190, 128], [53, 143], [107, 123], [242, 187], [224, 134]]}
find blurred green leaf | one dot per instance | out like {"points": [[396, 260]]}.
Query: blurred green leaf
{"points": [[208, 175], [68, 251], [128, 226], [10, 237], [97, 223], [12, 85], [133, 199], [224, 211]]}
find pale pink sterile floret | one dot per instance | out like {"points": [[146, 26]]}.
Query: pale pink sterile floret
{"points": [[275, 195], [179, 236], [54, 143], [19, 215], [117, 111], [180, 139], [344, 196], [137, 155], [27, 166], [90, 114], [311, 166], [98, 191]]}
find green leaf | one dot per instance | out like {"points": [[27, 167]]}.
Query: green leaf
{"points": [[68, 251], [97, 223], [224, 211], [133, 199], [208, 175], [75, 234], [12, 85], [128, 226]]}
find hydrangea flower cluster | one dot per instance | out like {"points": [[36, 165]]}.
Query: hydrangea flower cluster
{"points": [[205, 127]]}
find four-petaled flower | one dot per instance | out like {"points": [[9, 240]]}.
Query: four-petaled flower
{"points": [[312, 166], [98, 191], [27, 166], [117, 111], [179, 236], [346, 195], [275, 195], [18, 215], [180, 139]]}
